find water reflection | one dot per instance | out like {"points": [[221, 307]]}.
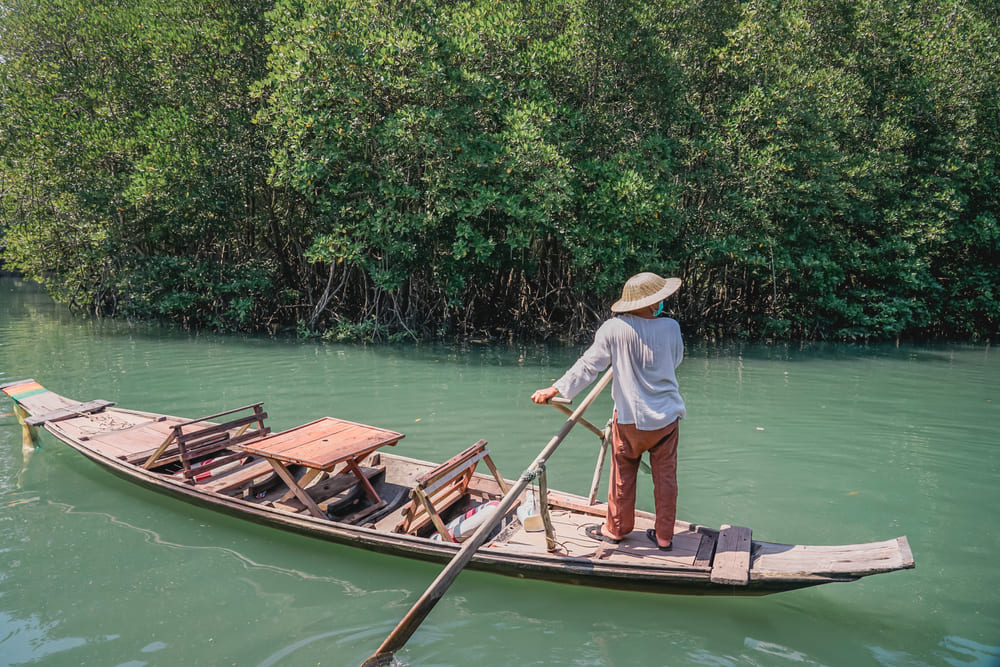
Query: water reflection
{"points": [[965, 652], [29, 639], [777, 651]]}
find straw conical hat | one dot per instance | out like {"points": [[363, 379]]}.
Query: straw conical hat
{"points": [[645, 289]]}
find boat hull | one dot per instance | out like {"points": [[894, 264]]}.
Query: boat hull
{"points": [[766, 570]]}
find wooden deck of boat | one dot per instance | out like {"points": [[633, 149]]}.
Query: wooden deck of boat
{"points": [[786, 561], [120, 434], [115, 432], [634, 548]]}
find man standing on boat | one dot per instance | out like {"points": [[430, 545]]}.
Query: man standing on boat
{"points": [[644, 350]]}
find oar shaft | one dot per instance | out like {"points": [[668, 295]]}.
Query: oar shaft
{"points": [[406, 627], [599, 468], [563, 408]]}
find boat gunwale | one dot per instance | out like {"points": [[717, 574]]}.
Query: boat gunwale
{"points": [[541, 566]]}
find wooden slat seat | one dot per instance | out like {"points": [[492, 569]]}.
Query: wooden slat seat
{"points": [[330, 490], [238, 479], [732, 556], [198, 439], [441, 488], [168, 455]]}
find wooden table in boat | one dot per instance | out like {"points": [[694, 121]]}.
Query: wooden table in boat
{"points": [[320, 446]]}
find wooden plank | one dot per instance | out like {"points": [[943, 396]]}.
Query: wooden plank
{"points": [[35, 398], [496, 473], [324, 445], [427, 478], [117, 440], [195, 449], [238, 478], [322, 451], [253, 406], [415, 514], [157, 456], [134, 439], [167, 455], [465, 468], [563, 501], [67, 412], [130, 431], [703, 558], [319, 444], [331, 428], [304, 482], [369, 489], [299, 493], [732, 556], [329, 490], [432, 513], [441, 487], [216, 429], [331, 487], [18, 383], [278, 443], [209, 438], [362, 513], [323, 457], [905, 554], [24, 389], [797, 560], [211, 464]]}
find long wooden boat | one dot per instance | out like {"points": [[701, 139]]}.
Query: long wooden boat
{"points": [[334, 480]]}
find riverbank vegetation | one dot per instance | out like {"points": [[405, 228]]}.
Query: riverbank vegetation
{"points": [[371, 169]]}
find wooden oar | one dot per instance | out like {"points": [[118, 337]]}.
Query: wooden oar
{"points": [[406, 627], [605, 439], [563, 405]]}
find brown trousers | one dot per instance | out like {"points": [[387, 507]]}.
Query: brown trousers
{"points": [[628, 444]]}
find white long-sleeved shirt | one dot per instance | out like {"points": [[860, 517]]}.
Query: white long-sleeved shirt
{"points": [[644, 354]]}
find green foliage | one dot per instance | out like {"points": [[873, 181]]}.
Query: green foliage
{"points": [[195, 294], [848, 132], [373, 170], [468, 158], [127, 141]]}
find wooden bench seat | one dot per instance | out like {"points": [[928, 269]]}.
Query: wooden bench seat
{"points": [[442, 487], [169, 455], [197, 439], [732, 556], [239, 479], [328, 491]]}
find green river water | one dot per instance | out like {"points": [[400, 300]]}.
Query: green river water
{"points": [[816, 444]]}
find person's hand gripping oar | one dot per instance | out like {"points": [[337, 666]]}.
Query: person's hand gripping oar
{"points": [[406, 627]]}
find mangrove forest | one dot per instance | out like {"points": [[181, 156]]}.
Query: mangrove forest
{"points": [[439, 169]]}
